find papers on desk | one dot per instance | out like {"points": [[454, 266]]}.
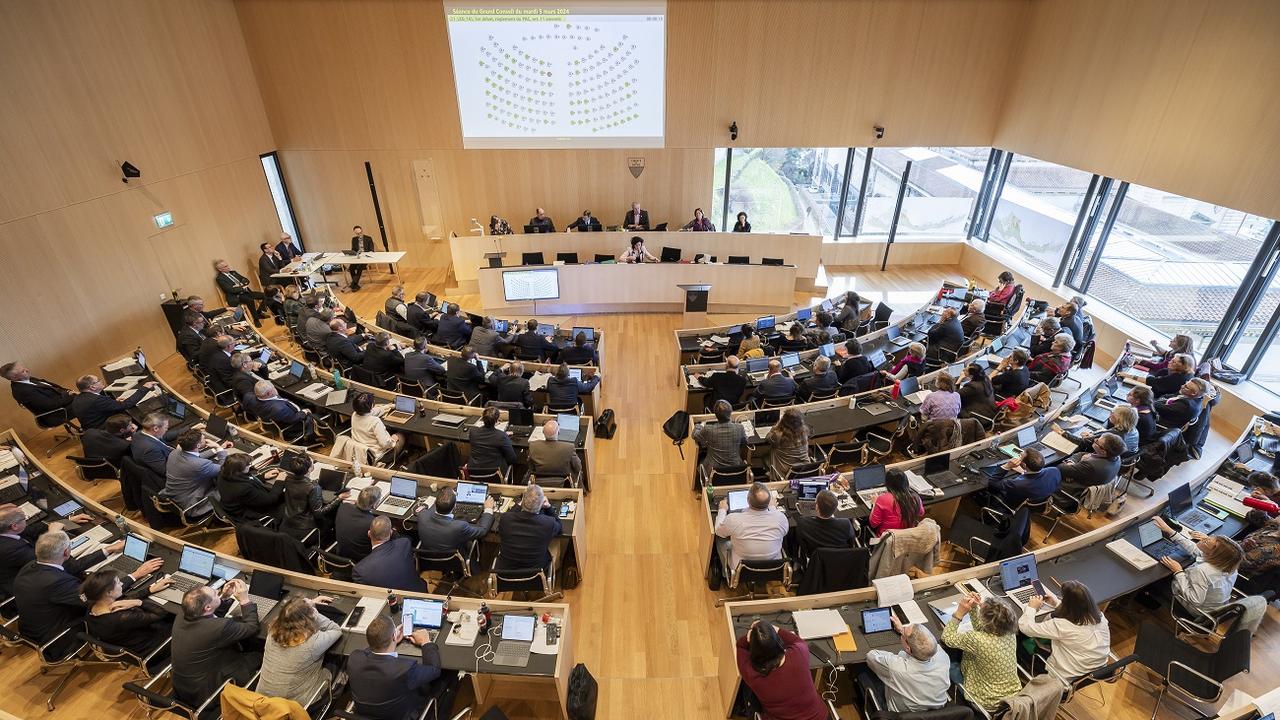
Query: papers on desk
{"points": [[355, 485], [539, 380], [845, 502], [98, 535], [813, 624], [1059, 442], [314, 391], [694, 382], [502, 424], [893, 590], [373, 607], [747, 426], [124, 383], [869, 495], [918, 397], [1129, 553], [920, 485], [1226, 502], [8, 480], [261, 455], [120, 364], [464, 631], [719, 339], [1073, 421], [7, 459], [537, 434], [29, 510], [540, 645], [314, 475], [992, 359]]}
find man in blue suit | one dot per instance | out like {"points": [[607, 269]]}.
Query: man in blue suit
{"points": [[268, 405], [1033, 480], [439, 533], [563, 391], [150, 445], [391, 563], [777, 388], [453, 330], [385, 686]]}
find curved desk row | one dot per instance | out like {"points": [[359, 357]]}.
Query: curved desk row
{"points": [[573, 524], [545, 679], [639, 288], [689, 340], [804, 252], [1083, 558]]}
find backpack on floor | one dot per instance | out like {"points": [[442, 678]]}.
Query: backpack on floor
{"points": [[583, 690]]}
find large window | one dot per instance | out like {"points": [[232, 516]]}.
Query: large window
{"points": [[940, 190], [1252, 333], [1175, 263], [1268, 373], [1038, 209], [785, 190], [280, 196], [716, 209], [883, 180]]}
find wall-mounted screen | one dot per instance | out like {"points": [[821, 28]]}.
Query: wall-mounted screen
{"points": [[572, 74], [520, 285]]}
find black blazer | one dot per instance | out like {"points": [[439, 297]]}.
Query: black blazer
{"points": [[351, 529], [776, 388], [242, 383], [233, 285], [463, 376], [342, 347], [15, 553], [268, 266], [531, 343], [381, 361], [391, 565], [854, 367], [948, 335], [391, 688], [98, 443], [278, 410], [575, 355], [421, 366], [974, 399], [724, 386], [205, 653], [48, 598], [246, 498], [580, 225], [218, 365], [190, 342], [1178, 410], [563, 393], [361, 243], [93, 410], [420, 318], [1086, 470], [1011, 382], [1166, 383], [41, 396], [816, 532], [630, 220], [511, 388], [442, 535], [819, 384], [526, 538], [491, 448]]}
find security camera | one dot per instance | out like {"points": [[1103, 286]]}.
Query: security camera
{"points": [[879, 132], [733, 130]]}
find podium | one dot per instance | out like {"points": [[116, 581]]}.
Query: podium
{"points": [[695, 304], [494, 258]]}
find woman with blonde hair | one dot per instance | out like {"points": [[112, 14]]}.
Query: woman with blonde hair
{"points": [[1123, 421], [911, 364], [1206, 585], [789, 443], [297, 641]]}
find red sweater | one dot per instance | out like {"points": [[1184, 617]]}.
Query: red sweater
{"points": [[788, 692], [886, 515]]}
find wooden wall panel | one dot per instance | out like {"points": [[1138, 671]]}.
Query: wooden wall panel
{"points": [[1181, 95]]}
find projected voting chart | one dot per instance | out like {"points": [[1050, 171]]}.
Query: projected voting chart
{"points": [[533, 77]]}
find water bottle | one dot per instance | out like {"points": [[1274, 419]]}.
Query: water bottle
{"points": [[359, 466], [122, 523], [338, 383]]}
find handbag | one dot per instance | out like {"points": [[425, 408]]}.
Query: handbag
{"points": [[582, 694], [606, 425]]}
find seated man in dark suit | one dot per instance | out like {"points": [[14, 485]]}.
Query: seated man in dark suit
{"points": [[191, 337], [36, 395], [777, 388], [563, 391], [390, 563], [216, 362], [271, 262], [351, 524], [1072, 321], [463, 373], [18, 544], [420, 366], [195, 304], [585, 223], [439, 533], [636, 219], [490, 447], [1028, 479], [975, 319], [47, 590], [580, 353], [727, 384], [453, 330], [1169, 380], [111, 442], [1176, 411], [150, 446], [824, 530], [382, 356], [206, 649], [510, 385], [266, 404], [92, 408], [821, 382], [1012, 375], [946, 333], [420, 314], [385, 686], [245, 497], [236, 288], [529, 533], [342, 347], [1084, 470], [246, 372], [532, 346]]}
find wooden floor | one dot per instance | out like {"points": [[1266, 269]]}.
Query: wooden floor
{"points": [[644, 620]]}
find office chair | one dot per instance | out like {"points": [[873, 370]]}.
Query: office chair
{"points": [[93, 469], [1190, 674], [1060, 505], [843, 455], [413, 388], [575, 409], [767, 404], [710, 358], [195, 523], [553, 480], [50, 654], [486, 475], [802, 470], [156, 702], [880, 320], [523, 580], [754, 572], [54, 418], [334, 565], [458, 397], [720, 477], [349, 714], [971, 539], [289, 435], [879, 446], [1108, 674], [114, 654], [454, 569]]}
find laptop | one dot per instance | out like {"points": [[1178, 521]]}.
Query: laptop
{"points": [[217, 426], [807, 495], [757, 368], [135, 553], [789, 360], [568, 431], [179, 411], [195, 568], [404, 411], [803, 315], [826, 305], [545, 329], [520, 422], [1154, 543], [909, 390], [1183, 511], [333, 481], [737, 500], [893, 334], [296, 372], [404, 493], [937, 470], [1028, 439], [575, 373], [828, 350], [14, 487], [877, 359], [764, 421], [67, 509], [765, 323], [416, 613], [1020, 579], [500, 326], [517, 640], [669, 255], [868, 477], [588, 333], [470, 501], [877, 627], [266, 590]]}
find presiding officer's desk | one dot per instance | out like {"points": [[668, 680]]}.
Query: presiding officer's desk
{"points": [[1083, 558], [942, 502], [573, 524], [804, 252], [544, 680], [646, 287]]}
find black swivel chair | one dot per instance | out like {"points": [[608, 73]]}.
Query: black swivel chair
{"points": [[880, 320], [55, 418], [1189, 674], [757, 573]]}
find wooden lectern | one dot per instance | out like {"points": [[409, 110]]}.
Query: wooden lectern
{"points": [[695, 305]]}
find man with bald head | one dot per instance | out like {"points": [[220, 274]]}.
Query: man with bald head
{"points": [[342, 347], [391, 563], [35, 394], [753, 534], [777, 388], [541, 223], [551, 457], [206, 649], [92, 408]]}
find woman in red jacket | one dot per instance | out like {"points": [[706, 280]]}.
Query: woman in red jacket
{"points": [[774, 663]]}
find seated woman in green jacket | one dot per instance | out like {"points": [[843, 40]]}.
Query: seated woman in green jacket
{"points": [[989, 668]]}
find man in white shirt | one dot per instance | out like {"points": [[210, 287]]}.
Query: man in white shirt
{"points": [[913, 679], [753, 534]]}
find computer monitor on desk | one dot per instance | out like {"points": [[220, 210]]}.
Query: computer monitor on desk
{"points": [[532, 258], [765, 323], [670, 255], [739, 260], [531, 229]]}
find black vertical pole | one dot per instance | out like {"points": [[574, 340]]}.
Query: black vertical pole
{"points": [[377, 210], [844, 194], [897, 212]]}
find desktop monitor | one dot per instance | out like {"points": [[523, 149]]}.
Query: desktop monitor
{"points": [[789, 360], [766, 322], [868, 476], [531, 229], [1018, 572], [670, 255], [589, 333], [771, 261], [1179, 500], [804, 314], [575, 373], [532, 258]]}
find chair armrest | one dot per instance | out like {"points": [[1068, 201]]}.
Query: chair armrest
{"points": [[55, 639], [314, 534], [1193, 671], [151, 655]]}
